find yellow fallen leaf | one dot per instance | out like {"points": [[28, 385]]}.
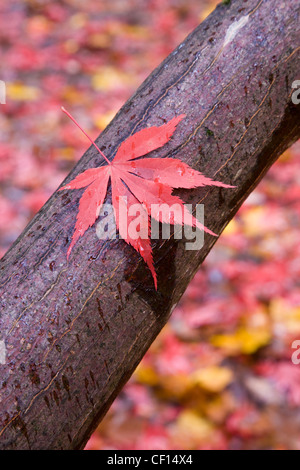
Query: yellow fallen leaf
{"points": [[146, 375], [65, 153], [244, 340], [213, 379], [19, 92], [108, 78], [72, 95], [286, 156], [175, 386], [285, 316], [231, 229], [103, 120], [219, 407], [135, 31], [206, 12], [253, 221], [191, 430]]}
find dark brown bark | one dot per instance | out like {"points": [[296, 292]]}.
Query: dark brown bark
{"points": [[75, 330]]}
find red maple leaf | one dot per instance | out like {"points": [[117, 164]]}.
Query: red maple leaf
{"points": [[146, 182]]}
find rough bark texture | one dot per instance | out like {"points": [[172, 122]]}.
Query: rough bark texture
{"points": [[75, 330]]}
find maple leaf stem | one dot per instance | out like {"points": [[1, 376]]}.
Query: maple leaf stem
{"points": [[91, 140]]}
